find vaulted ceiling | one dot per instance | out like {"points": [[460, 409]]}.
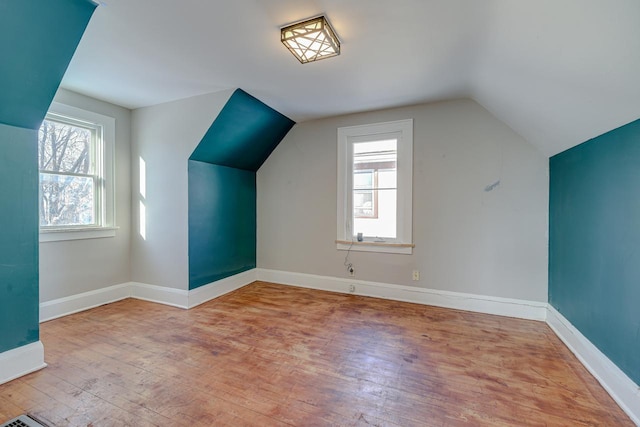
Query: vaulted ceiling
{"points": [[558, 72]]}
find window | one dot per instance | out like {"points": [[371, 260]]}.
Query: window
{"points": [[75, 160], [374, 187]]}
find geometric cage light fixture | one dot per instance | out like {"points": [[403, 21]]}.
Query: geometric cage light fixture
{"points": [[311, 40]]}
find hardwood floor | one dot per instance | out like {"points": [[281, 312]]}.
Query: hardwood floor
{"points": [[272, 355]]}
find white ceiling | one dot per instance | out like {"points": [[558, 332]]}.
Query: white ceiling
{"points": [[556, 71]]}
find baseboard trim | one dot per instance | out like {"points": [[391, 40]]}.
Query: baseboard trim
{"points": [[160, 294], [220, 287], [620, 387], [60, 307], [522, 309], [180, 298], [21, 361], [187, 299]]}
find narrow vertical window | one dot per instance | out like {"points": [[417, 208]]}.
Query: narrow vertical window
{"points": [[70, 184], [374, 187], [75, 161]]}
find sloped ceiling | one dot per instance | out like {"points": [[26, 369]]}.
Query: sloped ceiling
{"points": [[35, 52], [557, 72], [243, 135]]}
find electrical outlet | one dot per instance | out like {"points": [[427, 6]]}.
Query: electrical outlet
{"points": [[352, 288], [416, 274], [352, 271]]}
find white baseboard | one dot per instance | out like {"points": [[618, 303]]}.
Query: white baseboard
{"points": [[160, 294], [181, 298], [220, 287], [621, 388], [21, 361], [522, 309], [75, 303], [187, 299]]}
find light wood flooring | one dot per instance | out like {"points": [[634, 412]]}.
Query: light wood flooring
{"points": [[272, 355]]}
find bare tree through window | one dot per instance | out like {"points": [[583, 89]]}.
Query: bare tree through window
{"points": [[68, 179]]}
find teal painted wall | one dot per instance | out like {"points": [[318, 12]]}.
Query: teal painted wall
{"points": [[222, 187], [37, 40], [243, 135], [222, 222], [594, 242], [18, 237]]}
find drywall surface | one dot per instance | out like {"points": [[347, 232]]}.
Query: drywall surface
{"points": [[480, 205], [37, 40], [222, 190], [76, 266], [163, 137], [594, 242], [222, 222], [18, 237], [36, 52], [243, 135]]}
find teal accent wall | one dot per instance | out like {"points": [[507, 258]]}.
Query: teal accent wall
{"points": [[222, 222], [594, 242], [222, 187], [243, 135], [18, 237], [37, 40]]}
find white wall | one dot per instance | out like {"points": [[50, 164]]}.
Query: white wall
{"points": [[467, 239], [76, 266], [165, 135]]}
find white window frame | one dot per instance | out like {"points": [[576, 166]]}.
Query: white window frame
{"points": [[347, 136], [105, 205]]}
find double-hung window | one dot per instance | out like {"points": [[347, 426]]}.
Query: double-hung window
{"points": [[375, 187], [75, 161]]}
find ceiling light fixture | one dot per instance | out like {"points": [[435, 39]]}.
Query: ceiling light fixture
{"points": [[311, 40]]}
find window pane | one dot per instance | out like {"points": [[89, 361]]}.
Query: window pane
{"points": [[388, 178], [375, 188], [65, 147], [379, 148], [382, 223], [66, 200], [363, 203], [363, 179]]}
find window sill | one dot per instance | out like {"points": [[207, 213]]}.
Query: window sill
{"points": [[391, 248], [62, 234]]}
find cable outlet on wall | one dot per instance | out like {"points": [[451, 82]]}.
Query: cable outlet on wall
{"points": [[352, 271], [352, 288], [416, 275]]}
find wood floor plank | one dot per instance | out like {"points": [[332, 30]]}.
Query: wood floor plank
{"points": [[9, 409], [273, 355]]}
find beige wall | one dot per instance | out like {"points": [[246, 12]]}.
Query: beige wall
{"points": [[75, 266], [467, 239], [165, 135]]}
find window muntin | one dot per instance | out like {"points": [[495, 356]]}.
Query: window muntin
{"points": [[374, 185], [70, 183]]}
